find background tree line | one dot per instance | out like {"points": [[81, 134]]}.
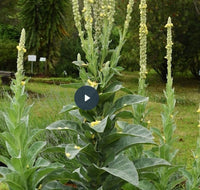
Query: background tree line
{"points": [[51, 33]]}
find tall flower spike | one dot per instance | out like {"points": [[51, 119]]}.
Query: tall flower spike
{"points": [[143, 47], [169, 50], [21, 51]]}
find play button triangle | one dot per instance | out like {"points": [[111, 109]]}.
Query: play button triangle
{"points": [[86, 98]]}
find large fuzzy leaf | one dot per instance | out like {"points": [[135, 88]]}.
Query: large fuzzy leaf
{"points": [[113, 87], [123, 168], [101, 126], [149, 163], [126, 142], [55, 185], [34, 150], [68, 108], [71, 150], [7, 162], [11, 146], [43, 172], [64, 125], [135, 130], [125, 101], [4, 171]]}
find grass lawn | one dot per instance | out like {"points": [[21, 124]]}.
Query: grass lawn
{"points": [[48, 100]]}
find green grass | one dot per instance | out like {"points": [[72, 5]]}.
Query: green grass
{"points": [[48, 100]]}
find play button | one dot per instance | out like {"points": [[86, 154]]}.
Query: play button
{"points": [[86, 97]]}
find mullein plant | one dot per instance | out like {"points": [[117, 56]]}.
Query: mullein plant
{"points": [[193, 177], [166, 149], [25, 169], [139, 110], [100, 138]]}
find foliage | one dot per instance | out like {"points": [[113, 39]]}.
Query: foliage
{"points": [[44, 21], [165, 149], [8, 55], [184, 18], [192, 177], [25, 170], [100, 138]]}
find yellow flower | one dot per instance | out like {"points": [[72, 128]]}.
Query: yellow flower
{"points": [[101, 14], [24, 50], [144, 6], [59, 128], [23, 83], [198, 111], [164, 139], [148, 122], [199, 125], [91, 1], [84, 9], [18, 48], [77, 147], [95, 123], [40, 186], [84, 65], [196, 157], [67, 154], [172, 116], [92, 84], [168, 25], [91, 20], [27, 166]]}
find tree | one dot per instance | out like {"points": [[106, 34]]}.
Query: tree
{"points": [[44, 21]]}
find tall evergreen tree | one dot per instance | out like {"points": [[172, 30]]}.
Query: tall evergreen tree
{"points": [[44, 21]]}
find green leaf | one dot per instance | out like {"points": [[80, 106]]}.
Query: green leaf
{"points": [[62, 175], [68, 107], [4, 171], [157, 132], [64, 125], [123, 168], [124, 115], [43, 172], [146, 185], [126, 142], [88, 115], [55, 149], [33, 133], [149, 163], [176, 182], [11, 146], [33, 151], [187, 175], [134, 130], [71, 150], [55, 185], [7, 162], [83, 74], [125, 101], [101, 126], [113, 87]]}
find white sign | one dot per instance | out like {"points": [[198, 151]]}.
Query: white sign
{"points": [[31, 57], [42, 58]]}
